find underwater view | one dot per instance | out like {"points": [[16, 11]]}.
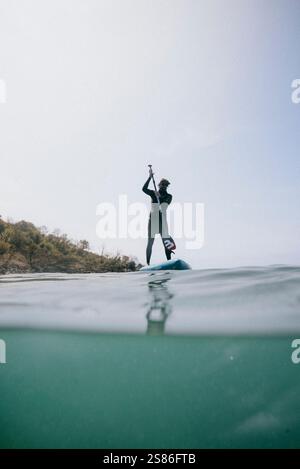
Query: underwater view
{"points": [[191, 359]]}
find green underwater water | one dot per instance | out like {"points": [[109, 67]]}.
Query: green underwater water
{"points": [[93, 390]]}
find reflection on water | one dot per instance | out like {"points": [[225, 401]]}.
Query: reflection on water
{"points": [[159, 307], [246, 300]]}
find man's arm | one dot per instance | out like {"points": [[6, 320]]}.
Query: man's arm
{"points": [[169, 199], [148, 191]]}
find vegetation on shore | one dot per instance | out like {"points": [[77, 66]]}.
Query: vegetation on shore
{"points": [[26, 248]]}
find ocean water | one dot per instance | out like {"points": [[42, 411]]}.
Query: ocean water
{"points": [[189, 359]]}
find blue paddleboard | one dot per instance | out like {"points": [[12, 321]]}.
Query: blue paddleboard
{"points": [[175, 264]]}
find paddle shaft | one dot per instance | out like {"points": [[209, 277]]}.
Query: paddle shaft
{"points": [[156, 192]]}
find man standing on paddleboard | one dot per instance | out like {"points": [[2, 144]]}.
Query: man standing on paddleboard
{"points": [[160, 200]]}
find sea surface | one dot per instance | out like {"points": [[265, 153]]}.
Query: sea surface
{"points": [[186, 359]]}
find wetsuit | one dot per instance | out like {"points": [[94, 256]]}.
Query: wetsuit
{"points": [[158, 218]]}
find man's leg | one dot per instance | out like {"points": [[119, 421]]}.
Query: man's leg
{"points": [[164, 233], [167, 252], [150, 242], [149, 249]]}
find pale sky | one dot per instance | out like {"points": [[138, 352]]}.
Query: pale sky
{"points": [[97, 89]]}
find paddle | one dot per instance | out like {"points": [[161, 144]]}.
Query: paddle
{"points": [[153, 180]]}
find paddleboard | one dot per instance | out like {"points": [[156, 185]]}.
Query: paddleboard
{"points": [[174, 264]]}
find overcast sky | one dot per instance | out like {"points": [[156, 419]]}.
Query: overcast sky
{"points": [[98, 89]]}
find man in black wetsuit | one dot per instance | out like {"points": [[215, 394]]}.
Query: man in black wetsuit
{"points": [[158, 216]]}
